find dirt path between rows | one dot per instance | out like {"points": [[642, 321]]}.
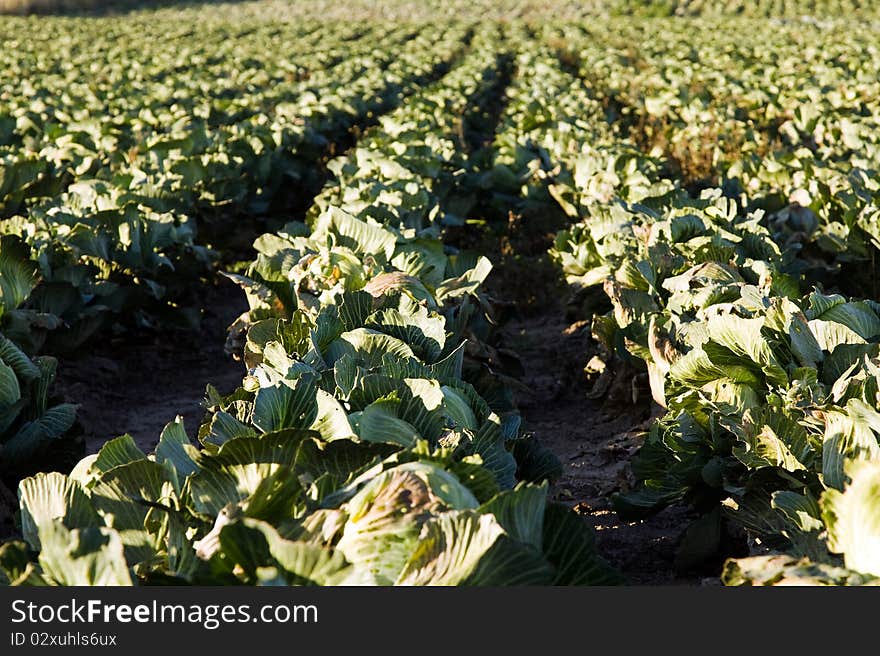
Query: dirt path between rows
{"points": [[594, 440], [136, 384]]}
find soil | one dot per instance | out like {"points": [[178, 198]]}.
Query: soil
{"points": [[137, 383], [594, 440]]}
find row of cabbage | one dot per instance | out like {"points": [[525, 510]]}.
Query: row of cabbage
{"points": [[543, 11], [403, 10], [790, 129], [118, 182], [769, 387], [792, 9], [99, 234], [77, 260], [355, 452], [205, 124], [550, 118]]}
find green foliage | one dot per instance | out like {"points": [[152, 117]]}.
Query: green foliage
{"points": [[722, 194], [768, 383], [355, 451]]}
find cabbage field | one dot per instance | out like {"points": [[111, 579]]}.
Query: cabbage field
{"points": [[512, 292]]}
